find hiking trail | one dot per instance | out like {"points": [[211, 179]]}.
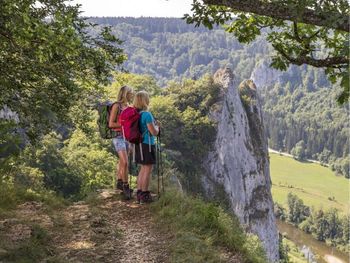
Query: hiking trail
{"points": [[106, 229]]}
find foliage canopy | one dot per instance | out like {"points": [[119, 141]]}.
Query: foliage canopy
{"points": [[301, 32], [47, 61]]}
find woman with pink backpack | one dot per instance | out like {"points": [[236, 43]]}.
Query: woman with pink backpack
{"points": [[145, 155]]}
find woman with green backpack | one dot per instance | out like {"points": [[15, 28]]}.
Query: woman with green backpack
{"points": [[121, 146]]}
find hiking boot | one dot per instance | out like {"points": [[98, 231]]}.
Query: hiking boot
{"points": [[138, 196], [127, 191], [119, 185], [145, 197]]}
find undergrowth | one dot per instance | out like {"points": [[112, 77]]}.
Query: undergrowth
{"points": [[201, 228], [12, 195]]}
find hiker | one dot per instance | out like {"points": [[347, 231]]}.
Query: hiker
{"points": [[121, 146], [146, 156]]}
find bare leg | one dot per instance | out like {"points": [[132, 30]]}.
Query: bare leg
{"points": [[123, 166], [147, 170], [142, 178], [117, 171], [139, 179]]}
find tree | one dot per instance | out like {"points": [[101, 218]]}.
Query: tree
{"points": [[137, 82], [345, 167], [297, 211], [298, 151], [283, 250], [181, 63], [279, 211], [319, 226], [183, 111], [341, 166], [333, 224], [309, 32], [48, 61], [57, 174], [89, 159], [324, 156], [164, 110], [345, 229]]}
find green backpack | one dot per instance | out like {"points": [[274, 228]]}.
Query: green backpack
{"points": [[104, 112]]}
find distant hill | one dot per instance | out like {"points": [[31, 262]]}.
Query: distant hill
{"points": [[299, 104]]}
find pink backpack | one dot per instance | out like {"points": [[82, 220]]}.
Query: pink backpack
{"points": [[129, 120]]}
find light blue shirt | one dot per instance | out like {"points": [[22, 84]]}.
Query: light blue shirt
{"points": [[146, 118]]}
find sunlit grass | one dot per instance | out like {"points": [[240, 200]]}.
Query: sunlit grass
{"points": [[313, 183], [12, 195], [201, 227]]}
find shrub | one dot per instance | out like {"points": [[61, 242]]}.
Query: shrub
{"points": [[208, 223]]}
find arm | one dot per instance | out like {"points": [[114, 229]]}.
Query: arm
{"points": [[113, 121], [153, 129]]}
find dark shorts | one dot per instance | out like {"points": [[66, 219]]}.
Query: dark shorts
{"points": [[148, 157]]}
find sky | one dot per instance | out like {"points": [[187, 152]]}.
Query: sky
{"points": [[135, 8]]}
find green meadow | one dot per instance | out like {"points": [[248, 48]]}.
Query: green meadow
{"points": [[314, 184]]}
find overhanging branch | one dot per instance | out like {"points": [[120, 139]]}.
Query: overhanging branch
{"points": [[330, 62], [278, 11]]}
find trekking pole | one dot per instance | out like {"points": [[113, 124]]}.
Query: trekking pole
{"points": [[129, 169], [161, 163], [158, 165]]}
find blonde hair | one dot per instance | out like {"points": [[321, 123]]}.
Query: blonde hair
{"points": [[122, 95], [141, 100]]}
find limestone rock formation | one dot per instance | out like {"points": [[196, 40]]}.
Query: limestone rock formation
{"points": [[237, 168]]}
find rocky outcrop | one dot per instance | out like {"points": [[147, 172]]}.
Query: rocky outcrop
{"points": [[264, 75], [238, 165]]}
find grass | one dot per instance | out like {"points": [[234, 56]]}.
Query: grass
{"points": [[294, 253], [313, 183], [202, 228], [12, 195], [35, 249]]}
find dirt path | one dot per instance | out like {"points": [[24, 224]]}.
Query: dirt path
{"points": [[289, 155], [106, 230], [112, 230]]}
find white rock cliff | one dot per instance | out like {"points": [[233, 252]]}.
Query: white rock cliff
{"points": [[239, 164]]}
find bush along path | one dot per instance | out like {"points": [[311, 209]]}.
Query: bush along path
{"points": [[101, 229]]}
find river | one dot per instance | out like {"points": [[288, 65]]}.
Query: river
{"points": [[326, 254]]}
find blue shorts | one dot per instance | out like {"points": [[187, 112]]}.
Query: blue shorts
{"points": [[120, 144]]}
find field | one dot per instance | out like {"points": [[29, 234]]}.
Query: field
{"points": [[313, 183]]}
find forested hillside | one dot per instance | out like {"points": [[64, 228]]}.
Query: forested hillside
{"points": [[57, 173], [169, 49], [301, 114]]}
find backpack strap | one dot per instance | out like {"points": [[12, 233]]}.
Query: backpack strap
{"points": [[149, 134], [119, 108]]}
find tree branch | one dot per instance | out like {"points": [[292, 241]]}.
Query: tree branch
{"points": [[296, 33], [278, 11], [331, 62], [8, 37]]}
